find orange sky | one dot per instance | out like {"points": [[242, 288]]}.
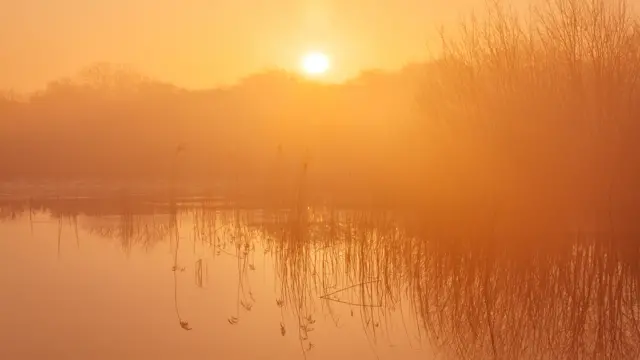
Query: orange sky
{"points": [[203, 43]]}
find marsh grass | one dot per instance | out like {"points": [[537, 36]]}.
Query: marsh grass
{"points": [[533, 117]]}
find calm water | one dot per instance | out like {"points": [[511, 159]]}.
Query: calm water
{"points": [[202, 284], [124, 279]]}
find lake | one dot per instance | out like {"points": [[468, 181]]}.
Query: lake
{"points": [[136, 277]]}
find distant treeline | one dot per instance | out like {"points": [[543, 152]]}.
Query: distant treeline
{"points": [[111, 122]]}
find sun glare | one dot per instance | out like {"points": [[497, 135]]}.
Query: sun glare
{"points": [[315, 63]]}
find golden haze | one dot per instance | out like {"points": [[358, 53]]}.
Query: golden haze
{"points": [[200, 44], [492, 191]]}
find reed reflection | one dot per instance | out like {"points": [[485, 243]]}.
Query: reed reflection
{"points": [[569, 297]]}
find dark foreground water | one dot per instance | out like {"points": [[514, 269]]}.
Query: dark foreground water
{"points": [[127, 278]]}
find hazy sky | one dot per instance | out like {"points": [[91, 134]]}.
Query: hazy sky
{"points": [[202, 43]]}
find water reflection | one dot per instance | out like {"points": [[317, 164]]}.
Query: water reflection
{"points": [[473, 298]]}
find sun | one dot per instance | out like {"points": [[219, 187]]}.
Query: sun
{"points": [[315, 63]]}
